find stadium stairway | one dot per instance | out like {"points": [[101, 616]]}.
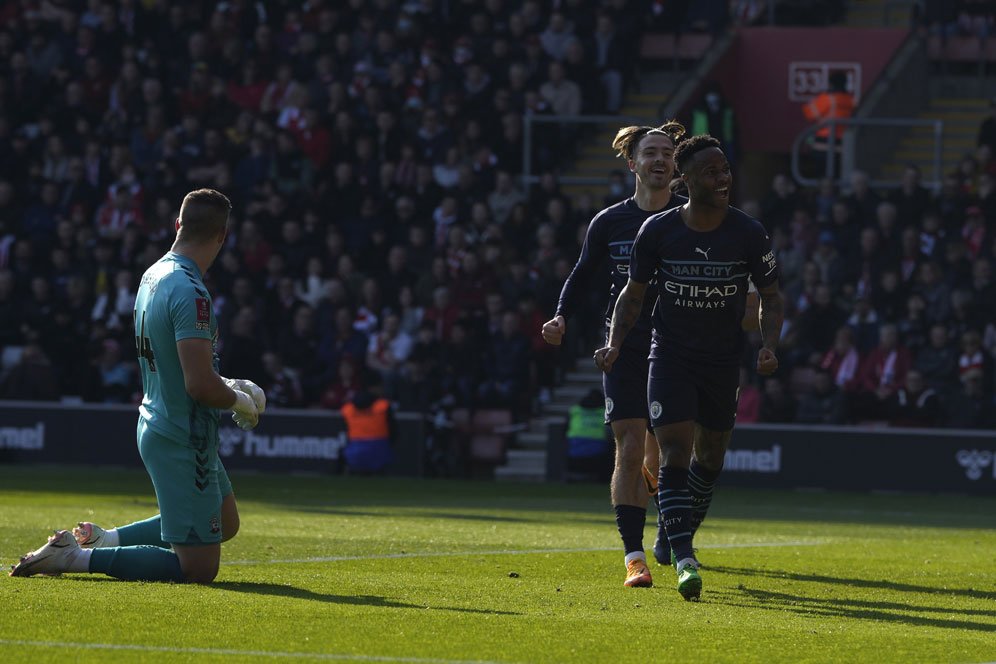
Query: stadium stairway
{"points": [[526, 457], [596, 158], [962, 116]]}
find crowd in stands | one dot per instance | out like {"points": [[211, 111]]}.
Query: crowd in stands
{"points": [[950, 18], [380, 239], [889, 302], [371, 148]]}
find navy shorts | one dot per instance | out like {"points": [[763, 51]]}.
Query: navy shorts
{"points": [[677, 392], [625, 386]]}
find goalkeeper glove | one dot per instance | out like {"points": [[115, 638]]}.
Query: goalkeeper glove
{"points": [[254, 391], [244, 411]]}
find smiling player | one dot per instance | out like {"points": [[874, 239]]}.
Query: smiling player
{"points": [[649, 154], [702, 255]]}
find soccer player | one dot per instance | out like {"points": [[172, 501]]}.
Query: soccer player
{"points": [[649, 154], [702, 255], [175, 337]]}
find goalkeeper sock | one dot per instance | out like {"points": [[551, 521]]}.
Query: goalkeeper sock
{"points": [[631, 520], [137, 563], [147, 532], [676, 510]]}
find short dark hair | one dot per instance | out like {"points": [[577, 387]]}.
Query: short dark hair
{"points": [[204, 214], [628, 138], [689, 147]]}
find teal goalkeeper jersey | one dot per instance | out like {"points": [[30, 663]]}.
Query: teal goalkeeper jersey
{"points": [[173, 304]]}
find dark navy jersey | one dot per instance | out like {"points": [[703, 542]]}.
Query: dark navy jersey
{"points": [[701, 289], [611, 234]]}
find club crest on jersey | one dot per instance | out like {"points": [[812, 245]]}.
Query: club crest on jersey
{"points": [[203, 313], [655, 410]]}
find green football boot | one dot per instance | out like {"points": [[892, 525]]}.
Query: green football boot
{"points": [[689, 581]]}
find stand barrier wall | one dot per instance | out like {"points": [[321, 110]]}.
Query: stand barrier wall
{"points": [[761, 456]]}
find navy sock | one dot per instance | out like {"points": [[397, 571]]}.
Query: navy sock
{"points": [[148, 532], [701, 481], [631, 520], [137, 563], [676, 508]]}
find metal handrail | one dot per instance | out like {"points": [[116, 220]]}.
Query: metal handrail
{"points": [[527, 142], [848, 146]]}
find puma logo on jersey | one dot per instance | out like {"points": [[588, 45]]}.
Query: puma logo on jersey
{"points": [[704, 252]]}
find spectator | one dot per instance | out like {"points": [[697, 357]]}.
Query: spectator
{"points": [[824, 405], [117, 380], [865, 323], [506, 365], [344, 388], [714, 116], [558, 34], [32, 378], [777, 405], [562, 94], [843, 361], [610, 61], [368, 428], [780, 203], [819, 322], [937, 362], [282, 385], [974, 358], [835, 103], [911, 199], [936, 295], [970, 408], [589, 452], [862, 200], [915, 404], [388, 352], [914, 326], [882, 372]]}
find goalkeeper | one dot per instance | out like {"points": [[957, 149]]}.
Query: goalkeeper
{"points": [[175, 337]]}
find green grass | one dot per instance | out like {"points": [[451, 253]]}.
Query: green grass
{"points": [[447, 571]]}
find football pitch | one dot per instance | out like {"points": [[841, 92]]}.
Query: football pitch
{"points": [[386, 569]]}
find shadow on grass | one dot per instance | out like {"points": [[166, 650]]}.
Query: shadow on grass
{"points": [[277, 589], [750, 598], [337, 494], [858, 583]]}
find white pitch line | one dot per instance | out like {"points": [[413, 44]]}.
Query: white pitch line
{"points": [[456, 554], [239, 653]]}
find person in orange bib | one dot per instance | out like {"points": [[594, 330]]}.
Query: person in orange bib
{"points": [[368, 428], [835, 103]]}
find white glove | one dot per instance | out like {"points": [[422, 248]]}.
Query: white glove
{"points": [[254, 391], [244, 411]]}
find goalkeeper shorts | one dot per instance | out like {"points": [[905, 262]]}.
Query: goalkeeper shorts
{"points": [[189, 484]]}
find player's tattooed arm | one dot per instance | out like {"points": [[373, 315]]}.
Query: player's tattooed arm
{"points": [[627, 312], [772, 312]]}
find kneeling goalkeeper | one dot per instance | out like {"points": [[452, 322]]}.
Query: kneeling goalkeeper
{"points": [[176, 336]]}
